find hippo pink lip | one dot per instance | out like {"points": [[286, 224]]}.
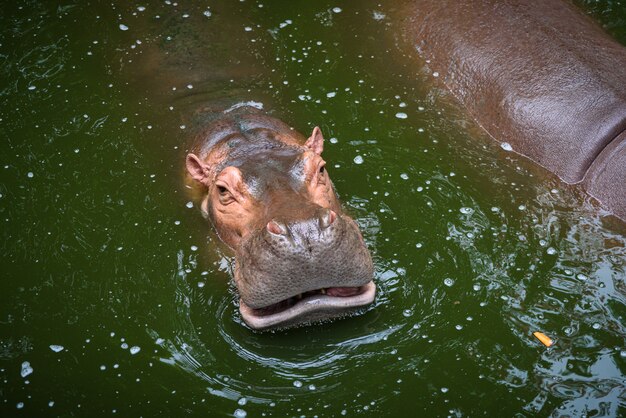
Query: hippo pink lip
{"points": [[309, 307]]}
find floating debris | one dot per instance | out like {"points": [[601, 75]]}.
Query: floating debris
{"points": [[545, 340]]}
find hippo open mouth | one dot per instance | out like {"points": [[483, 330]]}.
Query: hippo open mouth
{"points": [[309, 307]]}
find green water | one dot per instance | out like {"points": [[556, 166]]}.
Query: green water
{"points": [[100, 254]]}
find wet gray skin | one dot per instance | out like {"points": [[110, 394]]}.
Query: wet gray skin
{"points": [[298, 257]]}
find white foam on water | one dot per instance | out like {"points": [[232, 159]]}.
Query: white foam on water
{"points": [[26, 369], [378, 15]]}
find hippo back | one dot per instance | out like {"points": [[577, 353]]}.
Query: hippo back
{"points": [[540, 76]]}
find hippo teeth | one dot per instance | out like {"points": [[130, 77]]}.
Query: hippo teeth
{"points": [[287, 303], [309, 307]]}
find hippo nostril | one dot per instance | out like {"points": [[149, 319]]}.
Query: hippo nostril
{"points": [[327, 218], [276, 228]]}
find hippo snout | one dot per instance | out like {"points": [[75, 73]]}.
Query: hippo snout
{"points": [[323, 257]]}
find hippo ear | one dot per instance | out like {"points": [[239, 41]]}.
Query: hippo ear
{"points": [[198, 169], [316, 141]]}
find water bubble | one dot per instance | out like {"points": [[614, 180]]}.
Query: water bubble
{"points": [[124, 346], [201, 284], [26, 369], [622, 353], [466, 211], [30, 174], [190, 86], [404, 176], [331, 94], [20, 405], [123, 27], [51, 404], [551, 251], [240, 413], [31, 88], [242, 401], [337, 9], [207, 13], [418, 245], [435, 74], [543, 242], [103, 367], [297, 383], [506, 146], [444, 390], [458, 327], [476, 287], [521, 207], [189, 204], [407, 313], [401, 115], [141, 8], [448, 282], [312, 387], [358, 159], [333, 140], [134, 350], [194, 248], [56, 348], [469, 318], [596, 325], [581, 276]]}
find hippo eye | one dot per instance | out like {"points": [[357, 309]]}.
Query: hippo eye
{"points": [[321, 177], [225, 195]]}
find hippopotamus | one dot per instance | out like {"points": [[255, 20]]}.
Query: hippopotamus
{"points": [[299, 257], [540, 77]]}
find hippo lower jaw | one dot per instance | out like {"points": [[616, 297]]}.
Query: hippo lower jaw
{"points": [[310, 307]]}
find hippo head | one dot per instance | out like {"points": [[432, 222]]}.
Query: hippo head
{"points": [[298, 257]]}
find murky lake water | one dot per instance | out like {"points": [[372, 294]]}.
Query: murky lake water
{"points": [[115, 295]]}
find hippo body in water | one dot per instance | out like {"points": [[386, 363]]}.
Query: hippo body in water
{"points": [[298, 257], [538, 76]]}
